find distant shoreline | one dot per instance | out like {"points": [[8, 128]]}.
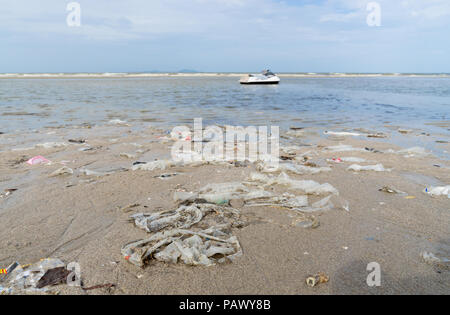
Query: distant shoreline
{"points": [[210, 74]]}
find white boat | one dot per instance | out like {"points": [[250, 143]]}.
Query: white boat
{"points": [[266, 77]]}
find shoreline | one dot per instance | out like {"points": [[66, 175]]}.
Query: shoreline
{"points": [[206, 74]]}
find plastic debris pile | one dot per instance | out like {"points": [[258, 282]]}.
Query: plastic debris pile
{"points": [[34, 278], [195, 234]]}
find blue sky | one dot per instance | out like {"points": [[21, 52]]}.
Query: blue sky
{"points": [[225, 35]]}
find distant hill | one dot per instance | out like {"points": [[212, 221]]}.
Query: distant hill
{"points": [[188, 71], [180, 71]]}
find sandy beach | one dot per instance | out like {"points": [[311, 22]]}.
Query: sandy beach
{"points": [[83, 216]]}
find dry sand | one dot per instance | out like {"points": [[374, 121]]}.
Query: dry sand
{"points": [[78, 218]]}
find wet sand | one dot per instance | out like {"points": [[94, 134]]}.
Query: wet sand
{"points": [[78, 218]]}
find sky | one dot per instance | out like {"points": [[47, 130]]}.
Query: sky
{"points": [[225, 36]]}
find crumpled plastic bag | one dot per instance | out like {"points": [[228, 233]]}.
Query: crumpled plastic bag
{"points": [[155, 165], [375, 168], [62, 171], [438, 191], [291, 167], [192, 248], [309, 187], [183, 218], [209, 241]]}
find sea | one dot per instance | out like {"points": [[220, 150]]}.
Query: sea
{"points": [[332, 102]]}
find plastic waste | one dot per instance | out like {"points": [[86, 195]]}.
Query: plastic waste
{"points": [[438, 191], [317, 279], [77, 141], [434, 260], [377, 135], [182, 133], [413, 152], [291, 149], [390, 190], [182, 197], [353, 160], [173, 242], [222, 193], [38, 160], [292, 168], [167, 175], [190, 247], [336, 133], [335, 160], [183, 218], [27, 278], [7, 192], [155, 165], [308, 186], [51, 145], [118, 122], [375, 168], [127, 155], [327, 203], [343, 148], [307, 223], [62, 171]]}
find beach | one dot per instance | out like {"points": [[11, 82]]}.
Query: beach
{"points": [[84, 216]]}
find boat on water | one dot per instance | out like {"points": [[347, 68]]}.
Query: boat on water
{"points": [[266, 77]]}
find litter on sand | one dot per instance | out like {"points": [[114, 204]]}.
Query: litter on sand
{"points": [[346, 159], [207, 242], [118, 122], [377, 135], [155, 165], [62, 171], [307, 186], [438, 191], [192, 248], [248, 195], [7, 192], [77, 141], [412, 152], [390, 190], [35, 277], [307, 223], [53, 277], [343, 148], [434, 260], [375, 168], [167, 175], [127, 155], [315, 280], [336, 133], [292, 168], [353, 159], [38, 160], [51, 145]]}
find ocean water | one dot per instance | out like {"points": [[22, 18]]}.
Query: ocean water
{"points": [[347, 102]]}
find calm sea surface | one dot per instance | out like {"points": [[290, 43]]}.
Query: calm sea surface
{"points": [[412, 102]]}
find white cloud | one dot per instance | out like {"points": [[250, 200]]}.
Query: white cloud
{"points": [[217, 19]]}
